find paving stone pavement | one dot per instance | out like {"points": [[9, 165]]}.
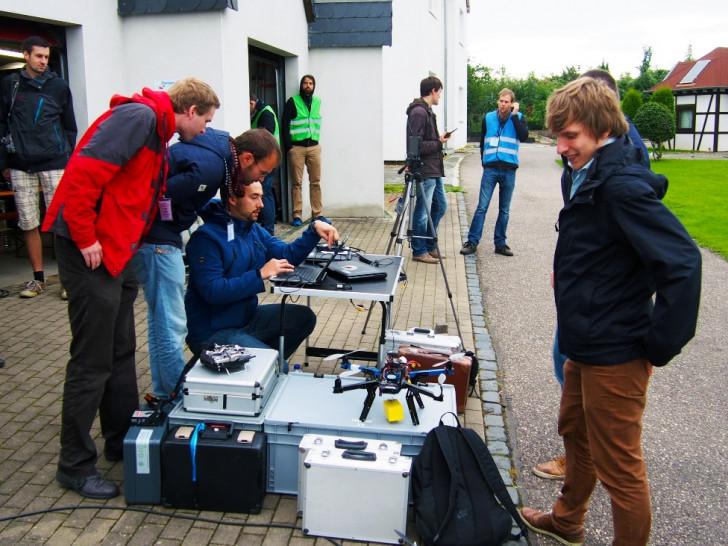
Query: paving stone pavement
{"points": [[34, 341]]}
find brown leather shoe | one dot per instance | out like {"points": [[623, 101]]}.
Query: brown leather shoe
{"points": [[435, 254], [543, 523], [552, 470], [425, 259]]}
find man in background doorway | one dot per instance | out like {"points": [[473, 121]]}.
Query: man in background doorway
{"points": [[36, 112], [301, 135], [263, 116]]}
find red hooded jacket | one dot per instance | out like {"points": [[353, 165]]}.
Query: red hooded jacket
{"points": [[111, 185]]}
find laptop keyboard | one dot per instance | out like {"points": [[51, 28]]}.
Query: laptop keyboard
{"points": [[303, 274]]}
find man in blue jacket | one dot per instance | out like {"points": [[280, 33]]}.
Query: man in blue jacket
{"points": [[232, 255], [618, 247], [501, 134], [197, 170]]}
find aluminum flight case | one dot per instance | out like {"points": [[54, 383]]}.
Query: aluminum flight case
{"points": [[423, 337], [307, 404], [240, 392], [356, 495], [321, 442]]}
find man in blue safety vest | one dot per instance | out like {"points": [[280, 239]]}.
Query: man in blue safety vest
{"points": [[502, 132]]}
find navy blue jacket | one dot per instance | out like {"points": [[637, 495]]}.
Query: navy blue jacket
{"points": [[42, 122], [197, 169], [225, 275], [618, 245]]}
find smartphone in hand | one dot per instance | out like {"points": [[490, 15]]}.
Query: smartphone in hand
{"points": [[448, 133]]}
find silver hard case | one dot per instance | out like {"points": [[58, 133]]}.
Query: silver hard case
{"points": [[356, 499], [240, 392]]}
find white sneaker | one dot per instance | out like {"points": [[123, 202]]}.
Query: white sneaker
{"points": [[32, 289]]}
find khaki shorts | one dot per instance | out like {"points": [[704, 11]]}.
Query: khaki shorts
{"points": [[25, 188]]}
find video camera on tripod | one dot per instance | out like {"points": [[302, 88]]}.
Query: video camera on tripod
{"points": [[413, 161]]}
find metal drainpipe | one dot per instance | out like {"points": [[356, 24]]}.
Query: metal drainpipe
{"points": [[445, 78]]}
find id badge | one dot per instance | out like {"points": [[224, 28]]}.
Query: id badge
{"points": [[165, 209]]}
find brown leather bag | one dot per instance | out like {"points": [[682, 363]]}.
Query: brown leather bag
{"points": [[427, 358]]}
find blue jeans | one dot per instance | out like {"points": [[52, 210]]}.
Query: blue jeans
{"points": [[434, 199], [161, 272], [559, 359], [506, 179], [264, 330], [267, 216]]}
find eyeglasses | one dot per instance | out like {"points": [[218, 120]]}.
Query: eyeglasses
{"points": [[263, 173]]}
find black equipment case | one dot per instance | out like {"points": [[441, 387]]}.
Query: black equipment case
{"points": [[229, 470]]}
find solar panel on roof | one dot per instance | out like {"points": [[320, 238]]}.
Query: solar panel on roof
{"points": [[694, 72]]}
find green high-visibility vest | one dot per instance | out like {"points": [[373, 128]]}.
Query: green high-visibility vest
{"points": [[254, 124], [306, 124]]}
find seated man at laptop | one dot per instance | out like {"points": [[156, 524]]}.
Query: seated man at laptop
{"points": [[231, 255]]}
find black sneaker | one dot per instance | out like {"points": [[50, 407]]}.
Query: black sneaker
{"points": [[503, 250], [94, 486], [468, 248]]}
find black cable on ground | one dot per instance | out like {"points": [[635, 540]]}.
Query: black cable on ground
{"points": [[158, 513]]}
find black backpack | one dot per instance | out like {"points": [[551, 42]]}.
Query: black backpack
{"points": [[456, 488]]}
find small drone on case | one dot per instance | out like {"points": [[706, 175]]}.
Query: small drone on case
{"points": [[396, 374]]}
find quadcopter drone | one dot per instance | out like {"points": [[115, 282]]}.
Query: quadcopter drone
{"points": [[396, 374]]}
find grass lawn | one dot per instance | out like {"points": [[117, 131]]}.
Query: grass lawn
{"points": [[697, 193]]}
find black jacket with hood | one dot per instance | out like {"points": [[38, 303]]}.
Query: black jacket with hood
{"points": [[422, 122], [618, 245], [42, 122]]}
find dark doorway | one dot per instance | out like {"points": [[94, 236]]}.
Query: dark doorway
{"points": [[267, 75]]}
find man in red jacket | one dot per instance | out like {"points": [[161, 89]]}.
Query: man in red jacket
{"points": [[104, 205]]}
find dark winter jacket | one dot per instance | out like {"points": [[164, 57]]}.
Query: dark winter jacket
{"points": [[110, 189], [422, 122], [618, 245], [42, 122], [197, 169], [225, 275]]}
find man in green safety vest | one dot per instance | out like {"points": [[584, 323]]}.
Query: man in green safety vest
{"points": [[263, 116], [301, 134]]}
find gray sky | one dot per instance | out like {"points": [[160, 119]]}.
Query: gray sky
{"points": [[545, 37]]}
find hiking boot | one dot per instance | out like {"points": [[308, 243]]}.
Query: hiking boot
{"points": [[435, 254], [503, 250], [543, 523], [425, 259], [468, 248], [32, 289], [552, 470], [94, 486], [296, 222], [63, 294]]}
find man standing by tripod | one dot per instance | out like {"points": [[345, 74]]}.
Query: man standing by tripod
{"points": [[422, 122]]}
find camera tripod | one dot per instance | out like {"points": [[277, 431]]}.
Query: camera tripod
{"points": [[414, 190]]}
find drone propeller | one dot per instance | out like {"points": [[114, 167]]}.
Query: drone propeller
{"points": [[354, 369], [441, 378], [337, 356], [455, 356]]}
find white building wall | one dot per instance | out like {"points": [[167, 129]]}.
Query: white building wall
{"points": [[428, 38], [347, 81], [365, 91]]}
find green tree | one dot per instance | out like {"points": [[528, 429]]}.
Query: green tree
{"points": [[656, 123], [663, 95], [632, 102]]}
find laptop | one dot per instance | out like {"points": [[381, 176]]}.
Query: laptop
{"points": [[356, 270], [307, 275]]}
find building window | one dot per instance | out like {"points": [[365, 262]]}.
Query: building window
{"points": [[685, 115]]}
